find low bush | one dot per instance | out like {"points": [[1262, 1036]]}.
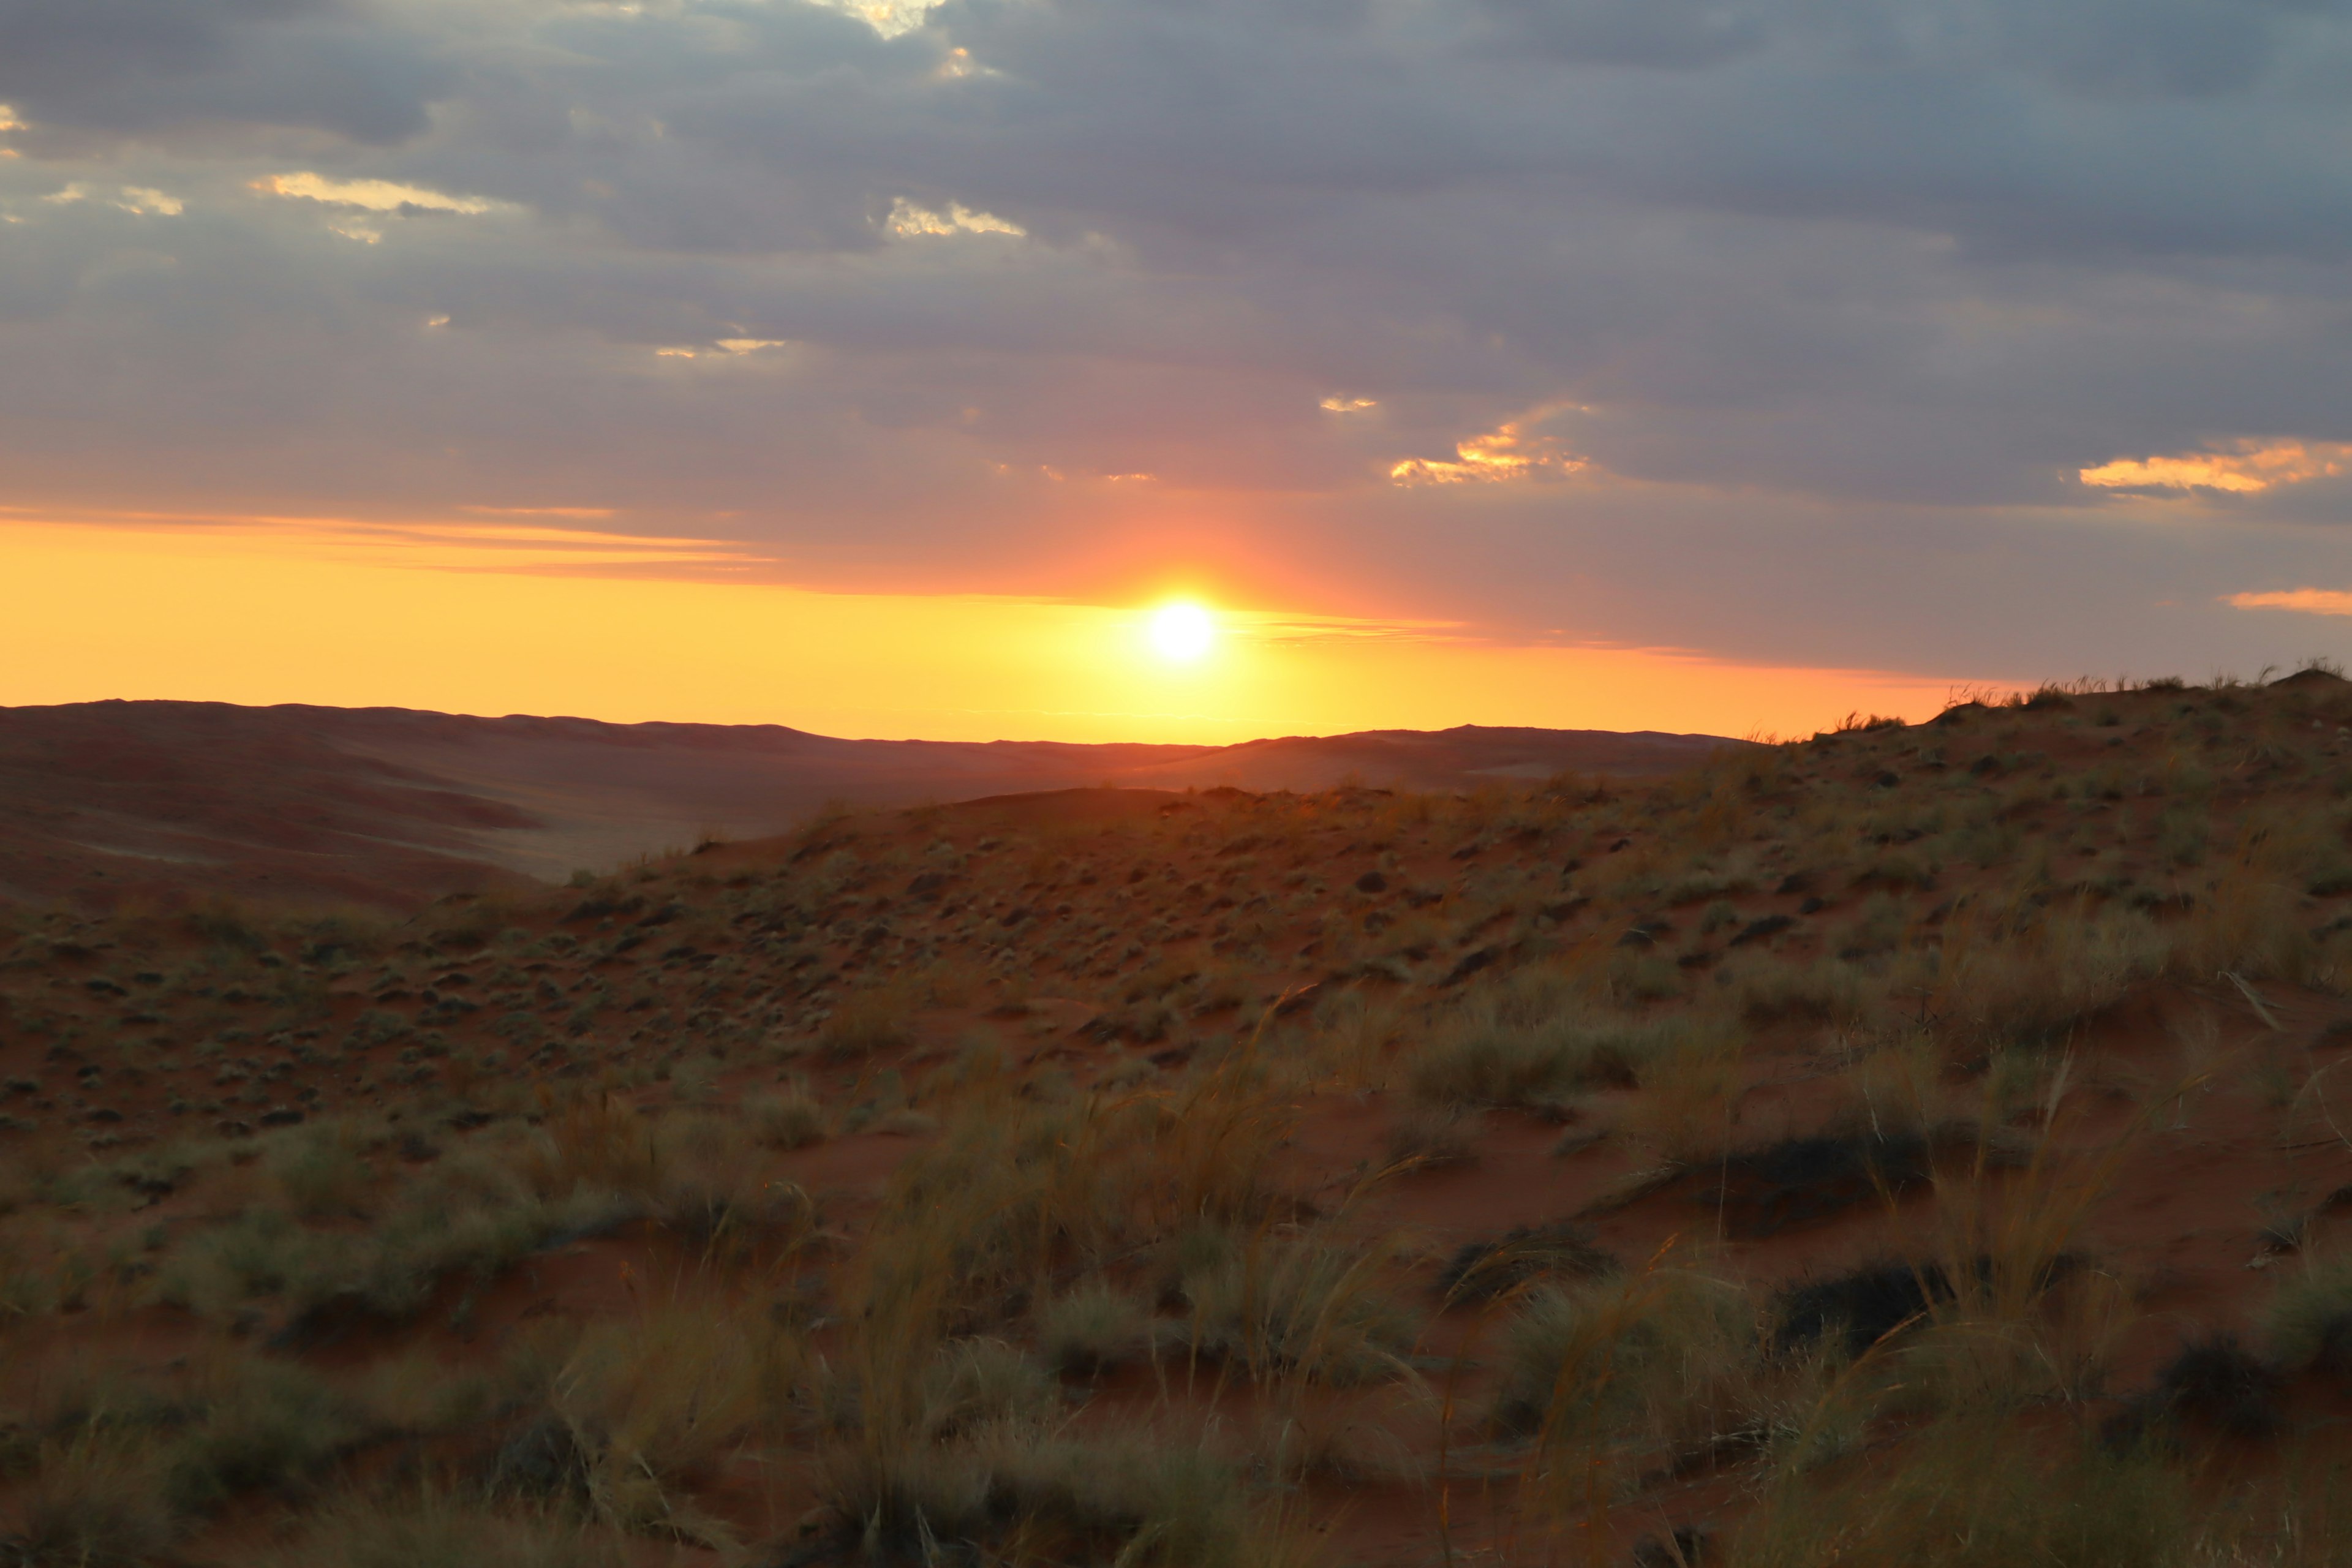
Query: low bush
{"points": [[95, 1501], [1639, 1364], [1976, 1493], [258, 1425], [1300, 1304], [641, 1406], [438, 1530], [1128, 1500], [2309, 1322], [1489, 1056], [792, 1119], [1093, 1329]]}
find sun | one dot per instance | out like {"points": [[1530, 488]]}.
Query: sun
{"points": [[1182, 632]]}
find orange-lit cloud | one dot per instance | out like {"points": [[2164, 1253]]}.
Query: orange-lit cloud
{"points": [[1505, 452], [141, 200], [512, 617], [909, 221], [518, 546], [2309, 600], [575, 513], [371, 195], [2245, 467]]}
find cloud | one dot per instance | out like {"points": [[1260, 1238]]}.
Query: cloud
{"points": [[1505, 453], [139, 68], [909, 221], [888, 18], [2247, 467], [140, 200], [373, 196], [2309, 601], [1869, 308]]}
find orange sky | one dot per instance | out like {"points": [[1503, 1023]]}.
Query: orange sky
{"points": [[497, 615]]}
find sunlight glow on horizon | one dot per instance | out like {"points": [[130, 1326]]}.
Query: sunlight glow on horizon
{"points": [[473, 621]]}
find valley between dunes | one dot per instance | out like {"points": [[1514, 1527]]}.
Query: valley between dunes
{"points": [[1919, 1144]]}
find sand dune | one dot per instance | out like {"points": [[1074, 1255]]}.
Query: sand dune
{"points": [[390, 807]]}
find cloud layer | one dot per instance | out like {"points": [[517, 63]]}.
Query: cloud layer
{"points": [[1980, 335]]}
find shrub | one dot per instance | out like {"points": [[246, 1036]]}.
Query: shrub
{"points": [[1127, 1500], [1093, 1329], [973, 1383], [643, 1406], [1656, 1358], [1767, 990], [792, 1119], [437, 1531], [1976, 1493], [94, 1502], [2309, 1322], [1493, 1054], [1296, 1304], [865, 1022], [264, 1426], [320, 1171]]}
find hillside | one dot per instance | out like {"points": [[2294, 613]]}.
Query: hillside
{"points": [[390, 808], [1917, 1144]]}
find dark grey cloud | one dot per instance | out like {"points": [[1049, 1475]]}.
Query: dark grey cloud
{"points": [[145, 66], [1832, 298]]}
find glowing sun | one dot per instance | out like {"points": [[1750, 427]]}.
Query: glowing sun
{"points": [[1182, 632]]}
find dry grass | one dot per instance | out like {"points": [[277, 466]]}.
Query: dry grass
{"points": [[1141, 1273], [649, 1404]]}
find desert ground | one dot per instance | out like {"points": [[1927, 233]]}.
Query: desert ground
{"points": [[387, 808], [1913, 1144]]}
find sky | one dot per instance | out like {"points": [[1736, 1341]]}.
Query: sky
{"points": [[882, 367]]}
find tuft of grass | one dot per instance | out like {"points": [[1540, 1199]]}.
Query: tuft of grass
{"points": [[2308, 1324], [644, 1406], [1127, 1500], [1294, 1304], [971, 1384], [437, 1530], [1486, 1270], [792, 1119], [1612, 1378], [263, 1426], [1506, 1050], [1094, 1329], [94, 1501], [1970, 1493], [321, 1170], [866, 1022]]}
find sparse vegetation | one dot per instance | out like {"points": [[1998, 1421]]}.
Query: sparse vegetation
{"points": [[1922, 1141]]}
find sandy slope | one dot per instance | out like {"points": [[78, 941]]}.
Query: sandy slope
{"points": [[390, 806]]}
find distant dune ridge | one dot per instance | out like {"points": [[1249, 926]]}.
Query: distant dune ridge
{"points": [[391, 806]]}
